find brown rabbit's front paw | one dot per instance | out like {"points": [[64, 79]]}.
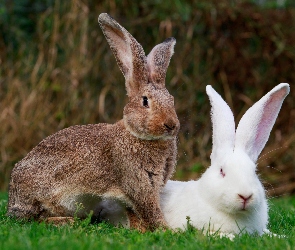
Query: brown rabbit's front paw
{"points": [[135, 221], [160, 224], [163, 225]]}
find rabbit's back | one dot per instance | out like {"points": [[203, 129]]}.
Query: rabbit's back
{"points": [[69, 161], [66, 151]]}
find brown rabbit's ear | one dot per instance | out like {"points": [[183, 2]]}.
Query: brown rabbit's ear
{"points": [[128, 52], [158, 61]]}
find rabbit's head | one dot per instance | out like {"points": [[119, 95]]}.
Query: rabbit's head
{"points": [[150, 113], [231, 182]]}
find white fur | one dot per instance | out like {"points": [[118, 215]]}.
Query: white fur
{"points": [[213, 205], [213, 202]]}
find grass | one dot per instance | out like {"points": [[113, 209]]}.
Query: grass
{"points": [[82, 235]]}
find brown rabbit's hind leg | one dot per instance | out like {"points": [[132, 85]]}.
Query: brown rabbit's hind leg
{"points": [[58, 221], [57, 214], [22, 212]]}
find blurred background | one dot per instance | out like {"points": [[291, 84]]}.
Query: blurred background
{"points": [[57, 70]]}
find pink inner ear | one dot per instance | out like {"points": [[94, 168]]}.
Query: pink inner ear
{"points": [[269, 115], [255, 126]]}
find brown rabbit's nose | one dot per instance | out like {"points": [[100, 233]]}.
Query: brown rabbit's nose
{"points": [[169, 126]]}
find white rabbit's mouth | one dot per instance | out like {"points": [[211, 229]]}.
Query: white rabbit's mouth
{"points": [[241, 206], [245, 207]]}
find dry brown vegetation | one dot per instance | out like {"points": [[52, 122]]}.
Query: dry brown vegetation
{"points": [[61, 72]]}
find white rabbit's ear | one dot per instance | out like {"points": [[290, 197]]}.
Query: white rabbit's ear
{"points": [[223, 126], [128, 52], [255, 126], [158, 61]]}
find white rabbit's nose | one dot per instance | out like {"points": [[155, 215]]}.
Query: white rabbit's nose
{"points": [[245, 198]]}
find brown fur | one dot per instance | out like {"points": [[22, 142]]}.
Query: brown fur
{"points": [[134, 221], [130, 160]]}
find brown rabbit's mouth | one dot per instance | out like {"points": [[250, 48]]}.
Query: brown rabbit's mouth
{"points": [[170, 132], [144, 136], [165, 131], [162, 133]]}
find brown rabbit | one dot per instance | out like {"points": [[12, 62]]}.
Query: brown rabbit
{"points": [[130, 160]]}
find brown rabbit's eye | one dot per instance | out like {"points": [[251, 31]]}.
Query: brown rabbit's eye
{"points": [[145, 102], [221, 172]]}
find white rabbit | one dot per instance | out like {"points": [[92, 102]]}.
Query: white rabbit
{"points": [[229, 198]]}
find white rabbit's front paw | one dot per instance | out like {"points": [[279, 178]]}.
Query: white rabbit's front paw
{"points": [[230, 236], [269, 233], [227, 235]]}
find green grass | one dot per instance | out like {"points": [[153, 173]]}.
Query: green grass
{"points": [[32, 235]]}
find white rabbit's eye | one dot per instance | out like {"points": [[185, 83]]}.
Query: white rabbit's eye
{"points": [[145, 102], [221, 172]]}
